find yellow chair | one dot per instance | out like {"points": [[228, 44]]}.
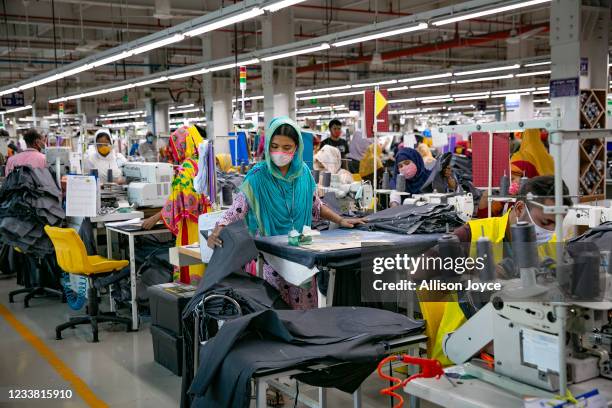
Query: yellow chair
{"points": [[72, 258]]}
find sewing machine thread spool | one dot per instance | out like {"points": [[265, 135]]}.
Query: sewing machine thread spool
{"points": [[326, 179], [523, 182], [385, 180], [585, 282], [226, 194], [524, 245], [316, 174], [449, 246], [484, 249], [504, 186], [400, 183], [109, 175]]}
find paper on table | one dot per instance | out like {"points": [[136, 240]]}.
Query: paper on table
{"points": [[133, 221], [81, 196]]}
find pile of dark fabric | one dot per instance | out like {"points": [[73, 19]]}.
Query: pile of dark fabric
{"points": [[350, 340], [414, 219], [29, 200], [233, 180]]}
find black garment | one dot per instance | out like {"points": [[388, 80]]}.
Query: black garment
{"points": [[353, 166], [341, 144], [414, 219], [29, 200], [286, 338], [252, 295]]}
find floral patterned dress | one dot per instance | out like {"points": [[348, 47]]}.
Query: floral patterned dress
{"points": [[298, 297]]}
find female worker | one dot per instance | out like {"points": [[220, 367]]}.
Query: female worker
{"points": [[408, 163], [277, 196], [103, 158], [329, 159], [181, 211], [532, 159]]}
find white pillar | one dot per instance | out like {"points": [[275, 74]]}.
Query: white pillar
{"points": [[575, 33], [278, 77], [216, 89]]}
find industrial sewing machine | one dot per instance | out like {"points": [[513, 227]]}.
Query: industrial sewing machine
{"points": [[149, 183], [350, 196], [544, 332], [463, 203]]}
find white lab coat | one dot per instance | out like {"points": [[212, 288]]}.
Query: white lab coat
{"points": [[94, 160]]}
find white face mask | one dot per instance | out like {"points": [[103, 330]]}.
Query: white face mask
{"points": [[542, 234], [281, 159]]}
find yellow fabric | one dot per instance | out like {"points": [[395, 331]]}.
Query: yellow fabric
{"points": [[196, 272], [432, 314], [366, 165], [452, 316], [224, 162], [532, 159], [72, 256], [381, 103]]}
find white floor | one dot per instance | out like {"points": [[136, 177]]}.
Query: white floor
{"points": [[119, 370]]}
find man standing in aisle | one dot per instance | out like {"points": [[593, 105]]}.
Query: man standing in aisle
{"points": [[148, 150], [335, 139], [31, 156]]}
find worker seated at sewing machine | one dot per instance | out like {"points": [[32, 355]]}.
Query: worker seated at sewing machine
{"points": [[103, 159]]}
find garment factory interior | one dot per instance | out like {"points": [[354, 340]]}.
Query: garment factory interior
{"points": [[306, 203]]}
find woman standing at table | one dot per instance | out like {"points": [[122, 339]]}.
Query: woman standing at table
{"points": [[184, 205], [277, 196]]}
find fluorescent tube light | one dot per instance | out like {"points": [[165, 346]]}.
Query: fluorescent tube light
{"points": [[466, 81], [188, 74], [224, 22], [541, 100], [110, 59], [537, 64], [191, 105], [472, 98], [305, 91], [429, 85], [438, 100], [17, 109], [488, 12], [401, 100], [513, 91], [423, 78], [493, 69], [320, 47], [333, 88], [281, 5], [178, 112], [76, 70], [9, 91], [535, 73], [233, 65], [470, 94], [400, 88], [151, 81], [543, 88], [540, 92], [373, 84], [426, 98], [158, 44], [420, 26]]}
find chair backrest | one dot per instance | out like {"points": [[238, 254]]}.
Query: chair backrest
{"points": [[69, 249]]}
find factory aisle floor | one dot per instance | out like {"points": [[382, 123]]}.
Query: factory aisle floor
{"points": [[117, 372]]}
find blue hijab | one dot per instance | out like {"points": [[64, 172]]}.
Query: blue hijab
{"points": [[413, 186], [277, 203]]}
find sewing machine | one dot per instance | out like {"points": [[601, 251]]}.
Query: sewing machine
{"points": [[356, 195], [539, 343], [149, 183], [463, 203], [587, 215]]}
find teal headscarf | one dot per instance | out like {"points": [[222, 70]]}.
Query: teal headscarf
{"points": [[277, 203]]}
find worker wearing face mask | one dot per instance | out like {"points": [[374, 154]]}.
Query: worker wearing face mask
{"points": [[409, 163], [103, 158], [148, 150], [335, 138], [497, 229]]}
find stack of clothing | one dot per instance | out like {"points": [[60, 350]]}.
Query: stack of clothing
{"points": [[415, 219], [29, 200]]}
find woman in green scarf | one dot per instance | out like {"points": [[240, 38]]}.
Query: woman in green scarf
{"points": [[277, 196]]}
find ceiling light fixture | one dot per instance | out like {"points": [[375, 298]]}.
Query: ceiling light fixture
{"points": [[423, 78], [535, 73], [537, 64], [420, 26], [430, 85], [17, 109], [484, 70], [488, 12], [505, 91], [438, 100], [158, 44], [493, 78], [225, 21], [282, 4], [320, 47]]}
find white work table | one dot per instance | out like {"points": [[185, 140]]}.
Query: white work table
{"points": [[476, 393], [132, 256]]}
